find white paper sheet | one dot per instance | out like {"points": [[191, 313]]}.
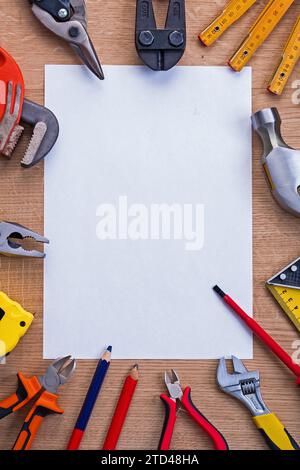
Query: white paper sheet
{"points": [[148, 140]]}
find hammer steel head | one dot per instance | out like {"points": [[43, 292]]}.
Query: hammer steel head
{"points": [[281, 162]]}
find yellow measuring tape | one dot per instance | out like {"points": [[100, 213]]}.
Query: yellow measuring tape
{"points": [[285, 287], [264, 25], [231, 13], [290, 57]]}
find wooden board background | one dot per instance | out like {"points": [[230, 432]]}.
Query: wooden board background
{"points": [[275, 243]]}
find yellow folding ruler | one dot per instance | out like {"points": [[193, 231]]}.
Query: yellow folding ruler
{"points": [[231, 13], [290, 57], [285, 287], [264, 25]]}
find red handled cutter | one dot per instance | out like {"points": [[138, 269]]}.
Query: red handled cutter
{"points": [[179, 398]]}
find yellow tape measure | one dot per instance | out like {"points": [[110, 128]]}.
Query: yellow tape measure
{"points": [[290, 57], [14, 323], [264, 25], [231, 13], [285, 287]]}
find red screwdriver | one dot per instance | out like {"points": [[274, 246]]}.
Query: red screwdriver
{"points": [[261, 333]]}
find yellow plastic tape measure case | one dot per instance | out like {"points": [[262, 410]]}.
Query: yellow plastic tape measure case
{"points": [[14, 323]]}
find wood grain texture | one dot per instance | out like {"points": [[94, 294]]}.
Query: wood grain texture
{"points": [[275, 243]]}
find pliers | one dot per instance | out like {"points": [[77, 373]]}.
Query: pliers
{"points": [[67, 19], [245, 386], [47, 386], [172, 404], [160, 49], [10, 232]]}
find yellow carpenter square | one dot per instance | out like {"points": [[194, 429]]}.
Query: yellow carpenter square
{"points": [[14, 322], [290, 57], [285, 287], [231, 13], [264, 25]]}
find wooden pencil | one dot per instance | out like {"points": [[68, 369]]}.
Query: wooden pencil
{"points": [[90, 400], [121, 410]]}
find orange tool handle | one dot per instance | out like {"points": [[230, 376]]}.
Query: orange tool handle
{"points": [[45, 405], [27, 389]]}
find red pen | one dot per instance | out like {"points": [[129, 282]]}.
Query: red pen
{"points": [[121, 410], [261, 333]]}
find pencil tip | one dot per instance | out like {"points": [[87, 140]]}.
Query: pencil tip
{"points": [[219, 291], [109, 349]]}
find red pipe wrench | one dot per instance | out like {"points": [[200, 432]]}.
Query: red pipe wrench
{"points": [[14, 109]]}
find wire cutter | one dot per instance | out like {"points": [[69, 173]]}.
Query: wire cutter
{"points": [[160, 49], [47, 386], [245, 386], [10, 232], [67, 19], [172, 404]]}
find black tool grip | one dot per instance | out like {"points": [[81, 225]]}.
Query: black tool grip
{"points": [[27, 389]]}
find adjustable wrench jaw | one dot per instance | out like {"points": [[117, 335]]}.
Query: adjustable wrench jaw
{"points": [[243, 385]]}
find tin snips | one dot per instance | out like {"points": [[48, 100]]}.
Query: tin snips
{"points": [[15, 110], [67, 19]]}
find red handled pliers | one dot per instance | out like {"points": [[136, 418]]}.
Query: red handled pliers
{"points": [[181, 398]]}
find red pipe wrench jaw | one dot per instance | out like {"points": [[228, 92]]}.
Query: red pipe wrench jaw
{"points": [[12, 91], [14, 108]]}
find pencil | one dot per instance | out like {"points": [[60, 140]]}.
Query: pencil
{"points": [[260, 332], [121, 410], [90, 400]]}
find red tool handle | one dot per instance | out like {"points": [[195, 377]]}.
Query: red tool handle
{"points": [[27, 389], [265, 337], [169, 422], [45, 405], [218, 439]]}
